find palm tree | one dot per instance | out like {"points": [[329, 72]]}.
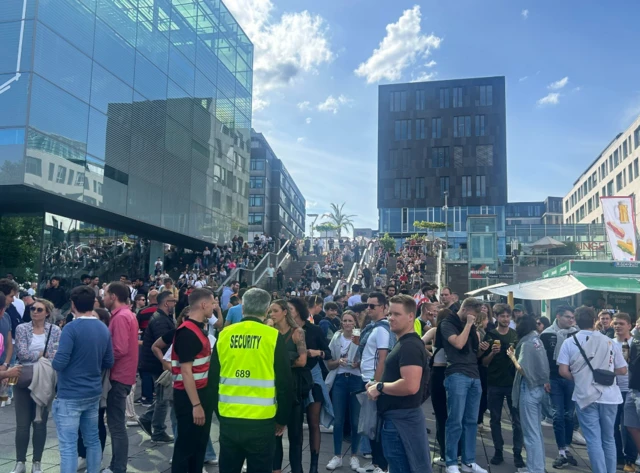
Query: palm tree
{"points": [[339, 219]]}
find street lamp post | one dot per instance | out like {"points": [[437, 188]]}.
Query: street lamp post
{"points": [[446, 233], [314, 222]]}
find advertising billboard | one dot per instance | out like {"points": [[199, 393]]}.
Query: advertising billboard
{"points": [[620, 223]]}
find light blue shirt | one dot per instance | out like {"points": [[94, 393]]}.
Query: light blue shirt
{"points": [[234, 315], [227, 292]]}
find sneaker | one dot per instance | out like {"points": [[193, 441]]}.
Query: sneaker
{"points": [[324, 430], [146, 403], [578, 438], [164, 438], [629, 468], [453, 469], [244, 467], [480, 427], [334, 463], [107, 470], [138, 401], [498, 458], [638, 460], [36, 467], [211, 462], [145, 425], [572, 461], [518, 461], [368, 468], [3, 403], [440, 461], [20, 467], [82, 463], [354, 463], [132, 423], [547, 422], [377, 469], [560, 462], [8, 401], [368, 456], [473, 468]]}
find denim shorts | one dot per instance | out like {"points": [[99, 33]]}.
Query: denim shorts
{"points": [[631, 408]]}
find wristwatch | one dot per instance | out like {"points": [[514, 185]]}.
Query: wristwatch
{"points": [[380, 387]]}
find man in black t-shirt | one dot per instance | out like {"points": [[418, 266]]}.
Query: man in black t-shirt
{"points": [[500, 374], [400, 393]]}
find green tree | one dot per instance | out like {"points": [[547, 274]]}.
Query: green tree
{"points": [[340, 219], [20, 242], [388, 243], [433, 226]]}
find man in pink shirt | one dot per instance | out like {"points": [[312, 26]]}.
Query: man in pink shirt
{"points": [[124, 336]]}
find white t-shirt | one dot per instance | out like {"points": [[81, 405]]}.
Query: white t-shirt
{"points": [[379, 338], [355, 299], [270, 272], [37, 345], [19, 305], [569, 350], [345, 344]]}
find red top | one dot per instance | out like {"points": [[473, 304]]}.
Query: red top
{"points": [[200, 367], [124, 337]]}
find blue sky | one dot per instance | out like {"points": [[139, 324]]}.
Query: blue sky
{"points": [[320, 116]]}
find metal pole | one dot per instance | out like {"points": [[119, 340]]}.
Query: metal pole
{"points": [[446, 233]]}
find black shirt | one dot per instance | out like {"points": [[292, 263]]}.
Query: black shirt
{"points": [[408, 351], [315, 340], [500, 372], [187, 344], [634, 363]]}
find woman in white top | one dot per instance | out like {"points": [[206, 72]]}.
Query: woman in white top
{"points": [[438, 393], [343, 381]]}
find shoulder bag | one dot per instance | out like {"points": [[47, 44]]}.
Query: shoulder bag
{"points": [[600, 376]]}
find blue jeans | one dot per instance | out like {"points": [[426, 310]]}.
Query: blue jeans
{"points": [[394, 450], [563, 408], [597, 421], [530, 407], [463, 402], [71, 414], [341, 397], [147, 382], [547, 408], [209, 453]]}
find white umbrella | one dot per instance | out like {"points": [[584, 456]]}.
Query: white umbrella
{"points": [[546, 243]]}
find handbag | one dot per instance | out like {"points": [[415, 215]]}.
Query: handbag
{"points": [[600, 376], [26, 375]]}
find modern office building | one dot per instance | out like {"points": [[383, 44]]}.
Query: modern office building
{"points": [[442, 142], [276, 205], [613, 172], [532, 213], [123, 125]]}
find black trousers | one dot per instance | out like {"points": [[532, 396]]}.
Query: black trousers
{"points": [[188, 452], [439, 402], [256, 443], [296, 437], [483, 398]]}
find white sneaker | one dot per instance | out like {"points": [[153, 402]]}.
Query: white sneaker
{"points": [[82, 463], [547, 423], [453, 469], [481, 427], [20, 467], [638, 460], [2, 404], [578, 438], [335, 462], [354, 463], [324, 430], [107, 470], [368, 456], [366, 469], [439, 461], [8, 401], [377, 469], [36, 467], [244, 467], [473, 468]]}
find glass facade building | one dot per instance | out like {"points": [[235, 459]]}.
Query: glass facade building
{"points": [[132, 115]]}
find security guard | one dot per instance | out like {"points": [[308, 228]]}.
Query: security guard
{"points": [[251, 387]]}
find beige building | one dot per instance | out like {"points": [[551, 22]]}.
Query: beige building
{"points": [[614, 172]]}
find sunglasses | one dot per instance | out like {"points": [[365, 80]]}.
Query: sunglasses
{"points": [[37, 309], [373, 306]]}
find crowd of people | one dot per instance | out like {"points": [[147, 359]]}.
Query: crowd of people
{"points": [[358, 365]]}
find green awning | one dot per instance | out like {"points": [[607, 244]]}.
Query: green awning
{"points": [[610, 283]]}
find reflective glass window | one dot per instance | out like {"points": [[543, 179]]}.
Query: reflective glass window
{"points": [[152, 43], [121, 16], [150, 81], [96, 141], [11, 155], [13, 101], [178, 140], [206, 60], [61, 63], [107, 90], [183, 27], [71, 115], [181, 70], [143, 200], [74, 21], [180, 105], [12, 38], [11, 10], [114, 52]]}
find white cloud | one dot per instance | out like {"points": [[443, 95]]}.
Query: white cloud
{"points": [[300, 139], [577, 89], [525, 14], [522, 79], [306, 105], [559, 84], [333, 104], [430, 63], [284, 49], [308, 120], [551, 99], [399, 49], [425, 76]]}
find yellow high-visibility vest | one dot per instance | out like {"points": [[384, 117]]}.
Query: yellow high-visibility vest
{"points": [[247, 378], [417, 326]]}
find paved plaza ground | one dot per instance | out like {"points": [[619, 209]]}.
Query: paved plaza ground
{"points": [[145, 456]]}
